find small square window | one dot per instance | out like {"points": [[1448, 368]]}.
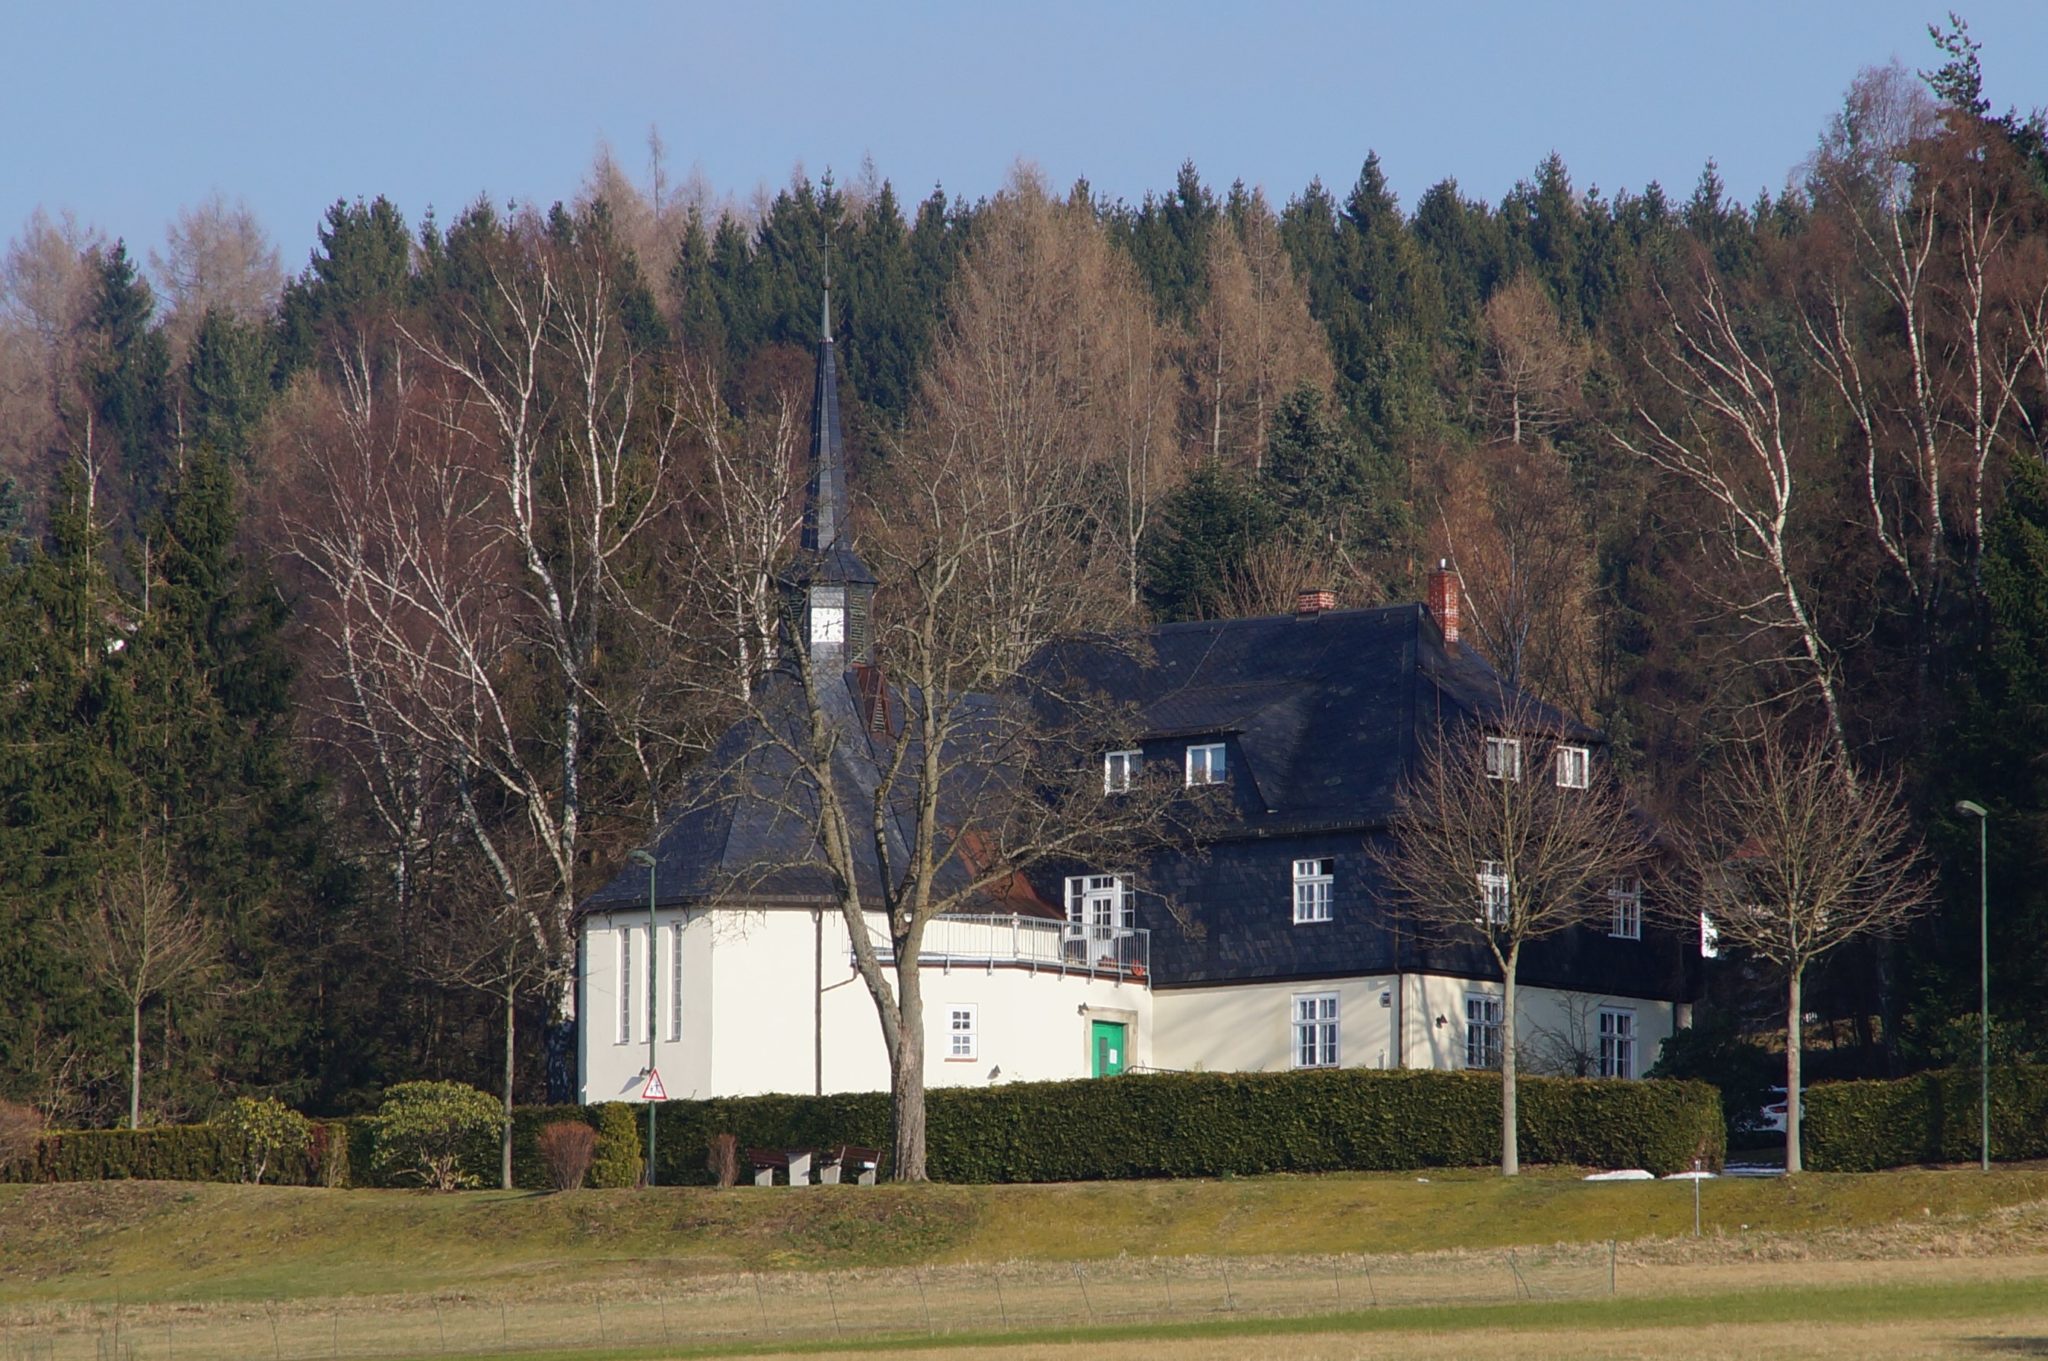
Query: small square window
{"points": [[1206, 764], [1625, 901], [1503, 758], [1574, 767], [1312, 883], [1119, 768], [1494, 901], [962, 1037]]}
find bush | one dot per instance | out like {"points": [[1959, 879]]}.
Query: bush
{"points": [[565, 1149], [442, 1134], [20, 1128], [1213, 1124], [1927, 1118], [263, 1131], [1745, 1072], [617, 1161]]}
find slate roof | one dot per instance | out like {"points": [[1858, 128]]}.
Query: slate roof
{"points": [[1327, 710]]}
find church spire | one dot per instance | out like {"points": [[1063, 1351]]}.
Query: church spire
{"points": [[825, 500]]}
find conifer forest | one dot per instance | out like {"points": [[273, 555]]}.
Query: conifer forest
{"points": [[358, 617]]}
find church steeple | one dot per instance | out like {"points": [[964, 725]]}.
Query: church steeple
{"points": [[833, 588]]}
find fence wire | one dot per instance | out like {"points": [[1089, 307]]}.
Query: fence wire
{"points": [[692, 1309]]}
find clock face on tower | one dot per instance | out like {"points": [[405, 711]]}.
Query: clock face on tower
{"points": [[828, 617]]}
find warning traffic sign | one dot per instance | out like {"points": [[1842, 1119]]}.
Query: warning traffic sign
{"points": [[654, 1091]]}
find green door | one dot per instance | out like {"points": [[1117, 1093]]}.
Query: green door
{"points": [[1110, 1055]]}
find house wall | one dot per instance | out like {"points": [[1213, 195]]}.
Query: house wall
{"points": [[751, 1018], [1250, 1027]]}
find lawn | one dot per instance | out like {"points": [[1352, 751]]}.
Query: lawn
{"points": [[162, 1269]]}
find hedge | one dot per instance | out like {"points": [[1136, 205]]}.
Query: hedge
{"points": [[1131, 1126], [177, 1153], [1927, 1118], [1201, 1124]]}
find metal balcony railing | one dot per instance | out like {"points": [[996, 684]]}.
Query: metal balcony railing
{"points": [[1036, 943]]}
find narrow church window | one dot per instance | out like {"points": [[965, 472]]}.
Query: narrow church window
{"points": [[626, 986], [675, 983], [1312, 881]]}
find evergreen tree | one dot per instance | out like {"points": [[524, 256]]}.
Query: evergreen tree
{"points": [[1208, 528], [127, 369], [362, 267], [700, 326]]}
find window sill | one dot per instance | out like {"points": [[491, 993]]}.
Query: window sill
{"points": [[1313, 921], [961, 1058], [1623, 935]]}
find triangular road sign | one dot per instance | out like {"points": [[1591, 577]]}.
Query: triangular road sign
{"points": [[654, 1091]]}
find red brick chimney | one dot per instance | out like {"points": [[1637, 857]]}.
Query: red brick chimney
{"points": [[1443, 600], [1312, 600]]}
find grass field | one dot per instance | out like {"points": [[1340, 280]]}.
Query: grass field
{"points": [[1906, 1263]]}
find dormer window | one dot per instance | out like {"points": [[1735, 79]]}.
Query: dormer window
{"points": [[1625, 906], [1206, 764], [1503, 758], [1574, 767], [1119, 768], [828, 617]]}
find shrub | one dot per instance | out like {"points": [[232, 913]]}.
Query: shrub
{"points": [[264, 1131], [443, 1134], [565, 1149], [617, 1161], [1927, 1118], [722, 1159], [20, 1128]]}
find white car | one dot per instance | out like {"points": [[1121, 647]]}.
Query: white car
{"points": [[1772, 1116]]}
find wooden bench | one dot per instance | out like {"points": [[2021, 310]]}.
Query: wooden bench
{"points": [[795, 1163], [832, 1161]]}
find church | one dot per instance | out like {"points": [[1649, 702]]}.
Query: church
{"points": [[719, 957]]}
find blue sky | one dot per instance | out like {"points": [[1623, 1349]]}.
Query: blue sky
{"points": [[125, 112]]}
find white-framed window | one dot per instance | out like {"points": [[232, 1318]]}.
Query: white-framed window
{"points": [[1315, 1030], [1494, 903], [962, 1031], [1206, 764], [675, 982], [1100, 901], [1503, 758], [1617, 1042], [828, 616], [1312, 880], [1482, 1030], [1574, 767], [1625, 903], [1119, 768], [625, 985]]}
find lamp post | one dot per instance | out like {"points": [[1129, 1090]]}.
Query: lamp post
{"points": [[1977, 811], [653, 1014]]}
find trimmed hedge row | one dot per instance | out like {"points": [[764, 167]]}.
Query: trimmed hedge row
{"points": [[1927, 1118], [177, 1153], [1133, 1126], [1213, 1124]]}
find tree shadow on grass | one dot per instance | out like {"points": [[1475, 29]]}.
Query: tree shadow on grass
{"points": [[2009, 1346]]}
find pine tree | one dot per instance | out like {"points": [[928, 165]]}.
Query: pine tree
{"points": [[1207, 531]]}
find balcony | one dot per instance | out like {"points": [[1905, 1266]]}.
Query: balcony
{"points": [[1034, 943]]}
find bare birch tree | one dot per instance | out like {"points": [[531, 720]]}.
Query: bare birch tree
{"points": [[1725, 428], [1488, 849], [1793, 857]]}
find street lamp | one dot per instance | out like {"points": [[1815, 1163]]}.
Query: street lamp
{"points": [[1977, 811], [653, 1016]]}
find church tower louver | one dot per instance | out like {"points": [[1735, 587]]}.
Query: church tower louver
{"points": [[832, 590]]}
